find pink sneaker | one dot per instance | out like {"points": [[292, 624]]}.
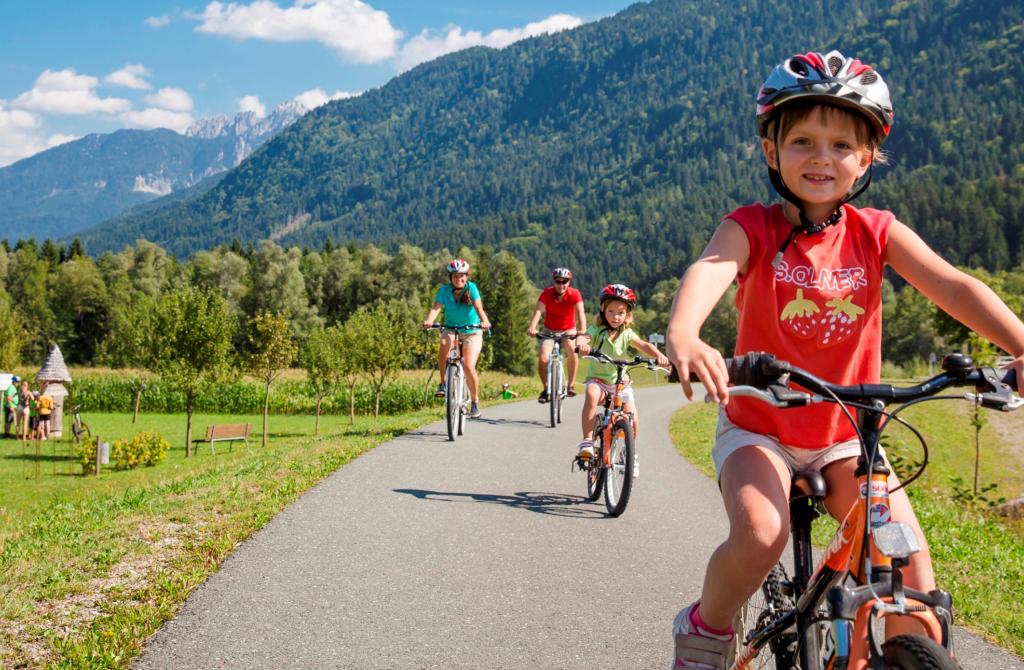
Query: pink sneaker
{"points": [[697, 647]]}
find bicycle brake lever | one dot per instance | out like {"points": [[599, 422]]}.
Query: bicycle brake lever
{"points": [[1003, 402]]}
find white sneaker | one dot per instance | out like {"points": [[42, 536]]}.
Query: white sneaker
{"points": [[699, 648], [586, 450]]}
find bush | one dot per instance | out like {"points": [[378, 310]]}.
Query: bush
{"points": [[86, 455], [287, 396], [144, 449]]}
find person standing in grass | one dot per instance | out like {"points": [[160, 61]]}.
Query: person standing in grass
{"points": [[45, 407], [11, 402]]}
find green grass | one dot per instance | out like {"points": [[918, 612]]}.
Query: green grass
{"points": [[977, 557], [91, 566]]}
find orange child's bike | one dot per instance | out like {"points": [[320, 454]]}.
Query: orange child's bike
{"points": [[832, 616], [611, 468]]}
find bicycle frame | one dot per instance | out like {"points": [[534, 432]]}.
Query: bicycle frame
{"points": [[852, 610], [454, 379], [867, 546]]}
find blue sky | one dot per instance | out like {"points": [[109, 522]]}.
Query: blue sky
{"points": [[72, 68]]}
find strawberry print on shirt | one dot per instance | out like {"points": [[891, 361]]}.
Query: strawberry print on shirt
{"points": [[816, 316]]}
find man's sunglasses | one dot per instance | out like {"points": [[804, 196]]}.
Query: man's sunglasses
{"points": [[561, 281]]}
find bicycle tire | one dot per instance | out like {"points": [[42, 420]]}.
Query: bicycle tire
{"points": [[618, 481], [561, 387], [451, 407], [766, 605], [463, 402], [553, 396], [916, 652], [595, 475]]}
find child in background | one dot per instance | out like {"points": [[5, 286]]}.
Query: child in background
{"points": [[613, 336], [810, 277]]}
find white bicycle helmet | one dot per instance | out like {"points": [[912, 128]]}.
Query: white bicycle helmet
{"points": [[457, 265]]}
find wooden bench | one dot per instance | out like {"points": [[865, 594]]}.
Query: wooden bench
{"points": [[226, 433]]}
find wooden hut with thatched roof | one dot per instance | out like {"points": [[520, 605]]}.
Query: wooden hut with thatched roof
{"points": [[52, 377]]}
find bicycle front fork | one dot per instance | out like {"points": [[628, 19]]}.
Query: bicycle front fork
{"points": [[858, 623]]}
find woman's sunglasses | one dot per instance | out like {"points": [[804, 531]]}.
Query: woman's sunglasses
{"points": [[561, 281]]}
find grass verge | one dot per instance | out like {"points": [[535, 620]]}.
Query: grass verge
{"points": [[92, 566], [979, 558]]}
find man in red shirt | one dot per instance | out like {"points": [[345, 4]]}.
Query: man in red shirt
{"points": [[562, 307]]}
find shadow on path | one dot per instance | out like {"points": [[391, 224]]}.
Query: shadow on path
{"points": [[557, 504]]}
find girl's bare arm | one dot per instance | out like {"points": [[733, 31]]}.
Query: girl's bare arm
{"points": [[963, 297], [705, 281]]}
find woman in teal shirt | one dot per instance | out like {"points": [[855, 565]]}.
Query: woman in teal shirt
{"points": [[460, 300]]}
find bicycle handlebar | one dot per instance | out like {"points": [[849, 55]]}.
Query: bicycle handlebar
{"points": [[761, 375], [601, 357], [552, 336], [456, 329]]}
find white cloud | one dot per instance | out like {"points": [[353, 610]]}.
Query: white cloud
{"points": [[19, 135], [157, 118], [130, 76], [354, 29], [251, 103], [66, 92], [427, 46], [173, 99], [315, 97], [158, 21]]}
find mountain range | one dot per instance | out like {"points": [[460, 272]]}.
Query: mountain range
{"points": [[616, 147], [62, 190]]}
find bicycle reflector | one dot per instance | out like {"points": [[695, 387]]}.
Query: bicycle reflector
{"points": [[896, 540]]}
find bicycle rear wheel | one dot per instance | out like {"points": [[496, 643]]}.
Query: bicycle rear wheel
{"points": [[618, 483], [913, 652], [766, 605], [595, 478], [451, 402]]}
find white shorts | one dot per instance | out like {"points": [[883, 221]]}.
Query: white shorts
{"points": [[730, 438], [626, 395]]}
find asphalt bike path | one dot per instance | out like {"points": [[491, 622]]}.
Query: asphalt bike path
{"points": [[478, 553]]}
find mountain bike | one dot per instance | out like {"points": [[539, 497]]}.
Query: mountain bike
{"points": [[611, 468], [79, 428], [832, 615], [556, 374], [456, 397]]}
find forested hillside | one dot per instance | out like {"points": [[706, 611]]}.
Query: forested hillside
{"points": [[616, 147]]}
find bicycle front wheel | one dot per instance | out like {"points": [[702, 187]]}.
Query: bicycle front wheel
{"points": [[618, 482], [766, 605], [554, 398], [451, 402], [463, 401], [916, 652]]}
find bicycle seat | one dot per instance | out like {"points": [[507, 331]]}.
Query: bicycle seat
{"points": [[807, 485]]}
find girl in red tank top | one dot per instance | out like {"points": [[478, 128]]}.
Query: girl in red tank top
{"points": [[809, 273]]}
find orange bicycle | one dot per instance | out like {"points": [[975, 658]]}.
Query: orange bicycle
{"points": [[611, 468], [832, 617]]}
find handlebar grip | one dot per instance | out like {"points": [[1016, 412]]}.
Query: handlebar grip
{"points": [[755, 368]]}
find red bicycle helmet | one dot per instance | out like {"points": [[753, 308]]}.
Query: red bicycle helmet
{"points": [[561, 273], [834, 79], [458, 265], [619, 292]]}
